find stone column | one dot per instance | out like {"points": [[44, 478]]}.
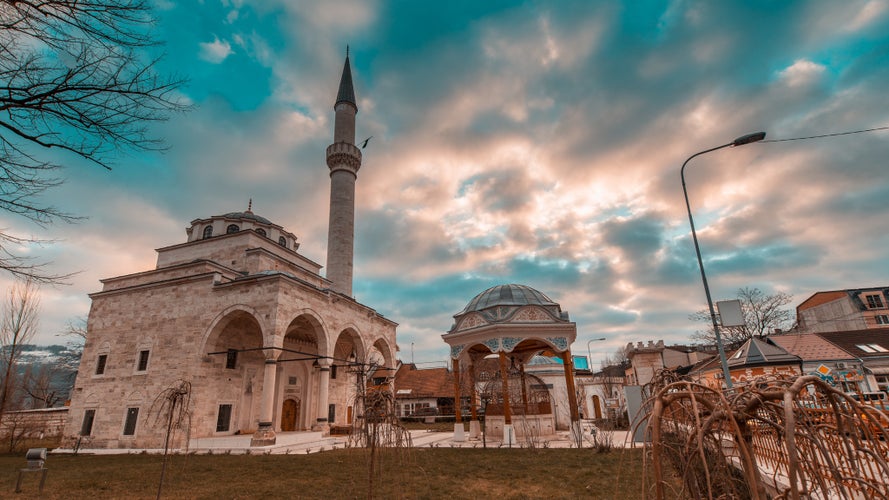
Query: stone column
{"points": [[265, 434], [321, 423], [508, 435], [458, 421], [576, 432]]}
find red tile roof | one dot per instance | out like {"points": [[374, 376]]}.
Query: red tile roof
{"points": [[426, 383], [809, 347]]}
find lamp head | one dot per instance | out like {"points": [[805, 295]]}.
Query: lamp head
{"points": [[747, 139]]}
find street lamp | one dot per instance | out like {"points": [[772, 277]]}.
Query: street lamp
{"points": [[740, 141], [590, 352]]}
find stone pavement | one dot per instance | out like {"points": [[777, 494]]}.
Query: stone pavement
{"points": [[314, 442]]}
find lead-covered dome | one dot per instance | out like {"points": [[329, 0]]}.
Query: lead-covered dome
{"points": [[507, 295]]}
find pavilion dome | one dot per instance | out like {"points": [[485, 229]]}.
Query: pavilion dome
{"points": [[507, 295]]}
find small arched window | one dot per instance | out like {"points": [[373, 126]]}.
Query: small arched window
{"points": [[282, 241], [232, 228], [208, 232], [260, 231]]}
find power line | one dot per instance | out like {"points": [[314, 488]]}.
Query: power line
{"points": [[828, 135]]}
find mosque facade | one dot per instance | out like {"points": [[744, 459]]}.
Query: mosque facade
{"points": [[236, 316]]}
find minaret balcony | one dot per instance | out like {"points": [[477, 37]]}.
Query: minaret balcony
{"points": [[342, 155]]}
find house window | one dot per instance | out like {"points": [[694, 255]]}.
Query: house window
{"points": [[129, 427], [225, 416], [100, 364], [331, 413], [282, 241], [333, 372], [883, 382], [232, 228], [208, 232], [260, 232], [874, 301], [143, 361], [86, 428], [231, 359], [882, 319]]}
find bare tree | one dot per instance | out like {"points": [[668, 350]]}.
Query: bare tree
{"points": [[39, 384], [75, 76], [18, 325], [763, 313]]}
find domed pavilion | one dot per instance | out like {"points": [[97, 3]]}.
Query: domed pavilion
{"points": [[512, 324]]}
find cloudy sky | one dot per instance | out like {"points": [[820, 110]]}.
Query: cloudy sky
{"points": [[516, 142]]}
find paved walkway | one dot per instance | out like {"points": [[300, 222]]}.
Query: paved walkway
{"points": [[314, 442]]}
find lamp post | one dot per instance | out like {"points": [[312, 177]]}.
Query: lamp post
{"points": [[590, 352], [740, 141]]}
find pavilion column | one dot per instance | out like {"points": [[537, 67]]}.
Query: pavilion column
{"points": [[474, 430], [321, 423], [458, 422], [265, 433], [508, 436], [567, 361], [524, 390]]}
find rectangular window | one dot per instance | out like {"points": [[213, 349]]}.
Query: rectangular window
{"points": [[882, 319], [874, 301], [291, 380], [129, 427], [87, 427], [100, 364], [143, 361], [331, 413], [225, 416], [231, 359], [332, 372]]}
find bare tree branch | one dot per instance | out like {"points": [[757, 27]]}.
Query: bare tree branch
{"points": [[763, 314], [75, 76]]}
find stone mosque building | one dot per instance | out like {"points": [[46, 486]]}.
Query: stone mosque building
{"points": [[265, 341]]}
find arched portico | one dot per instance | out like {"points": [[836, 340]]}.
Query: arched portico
{"points": [[515, 323], [233, 345]]}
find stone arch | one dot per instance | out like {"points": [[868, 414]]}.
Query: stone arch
{"points": [[385, 350], [347, 342], [223, 319], [306, 332]]}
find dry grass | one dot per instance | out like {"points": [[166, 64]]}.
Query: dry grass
{"points": [[413, 473]]}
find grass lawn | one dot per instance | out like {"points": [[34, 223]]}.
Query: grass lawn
{"points": [[405, 473]]}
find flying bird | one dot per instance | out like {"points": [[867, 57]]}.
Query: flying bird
{"points": [[364, 143]]}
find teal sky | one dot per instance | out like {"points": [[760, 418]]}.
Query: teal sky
{"points": [[516, 142]]}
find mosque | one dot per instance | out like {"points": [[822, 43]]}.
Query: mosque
{"points": [[265, 342]]}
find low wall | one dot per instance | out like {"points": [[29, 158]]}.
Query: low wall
{"points": [[522, 425], [44, 423]]}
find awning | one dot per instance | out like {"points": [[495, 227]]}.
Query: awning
{"points": [[878, 370]]}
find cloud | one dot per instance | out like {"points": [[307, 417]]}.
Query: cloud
{"points": [[216, 51]]}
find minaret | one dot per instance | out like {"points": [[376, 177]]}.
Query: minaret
{"points": [[344, 160]]}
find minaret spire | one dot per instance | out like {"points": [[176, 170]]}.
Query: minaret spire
{"points": [[344, 160]]}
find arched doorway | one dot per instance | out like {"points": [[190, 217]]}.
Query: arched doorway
{"points": [[597, 408], [289, 415]]}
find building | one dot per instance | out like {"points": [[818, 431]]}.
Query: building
{"points": [[844, 310], [754, 359], [423, 392], [823, 359], [266, 344], [646, 359], [870, 347]]}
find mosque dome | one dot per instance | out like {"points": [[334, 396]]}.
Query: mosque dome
{"points": [[245, 215]]}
